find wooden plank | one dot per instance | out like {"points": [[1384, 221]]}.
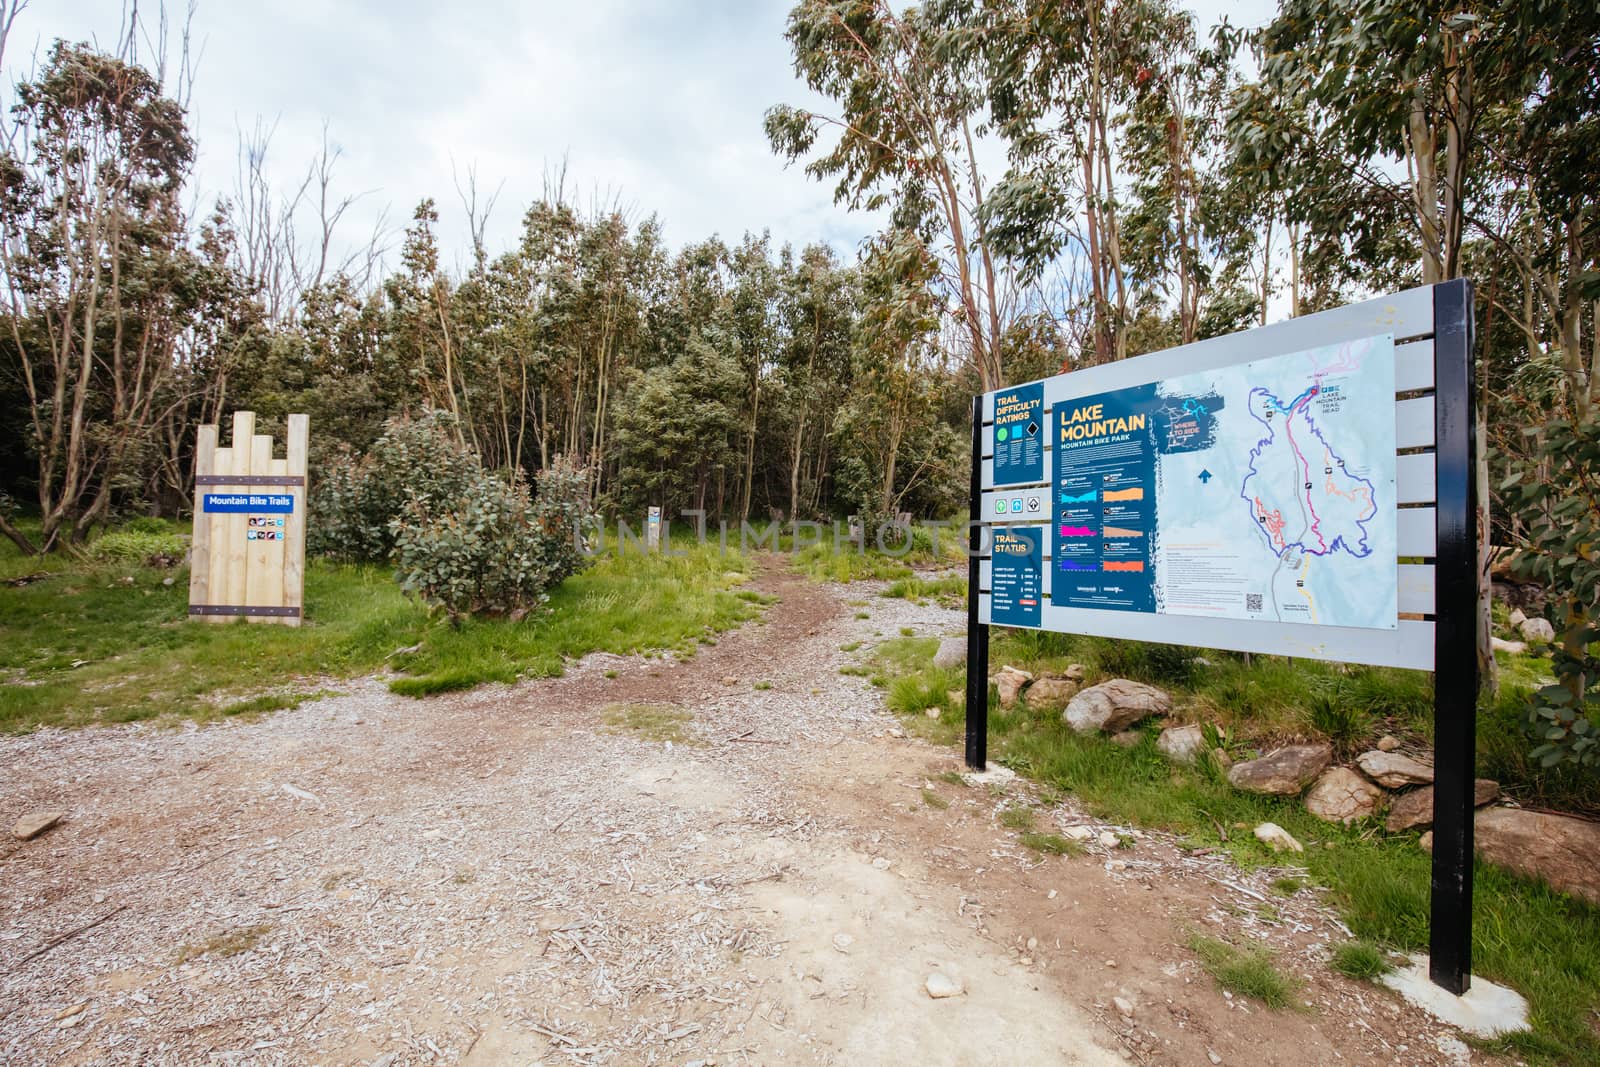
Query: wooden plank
{"points": [[1416, 592], [1409, 644], [1418, 531], [1413, 366], [263, 566], [294, 548], [217, 535], [1414, 478], [234, 593], [1413, 423], [205, 449]]}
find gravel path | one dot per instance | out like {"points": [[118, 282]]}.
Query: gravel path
{"points": [[507, 876]]}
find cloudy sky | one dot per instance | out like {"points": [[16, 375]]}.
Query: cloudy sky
{"points": [[658, 103]]}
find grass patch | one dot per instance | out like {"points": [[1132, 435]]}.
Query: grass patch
{"points": [[934, 800], [762, 685], [1287, 886], [946, 590], [104, 644], [954, 778], [653, 722], [1248, 971], [1050, 844], [268, 702], [230, 943], [1359, 960], [1017, 818], [850, 647]]}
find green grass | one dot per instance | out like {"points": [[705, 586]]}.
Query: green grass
{"points": [[1359, 960], [1049, 844], [1247, 971], [1017, 818], [107, 643], [934, 800], [653, 722], [949, 589], [1545, 945]]}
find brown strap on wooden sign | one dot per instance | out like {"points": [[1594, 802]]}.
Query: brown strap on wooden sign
{"points": [[244, 609]]}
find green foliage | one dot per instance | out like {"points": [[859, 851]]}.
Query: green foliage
{"points": [[1049, 844], [419, 462], [1338, 719], [1245, 970], [1359, 960], [132, 547], [1555, 499]]}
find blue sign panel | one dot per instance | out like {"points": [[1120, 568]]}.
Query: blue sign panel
{"points": [[1019, 435], [248, 503], [1104, 501], [1016, 583]]}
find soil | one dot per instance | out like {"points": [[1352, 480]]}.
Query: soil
{"points": [[513, 875]]}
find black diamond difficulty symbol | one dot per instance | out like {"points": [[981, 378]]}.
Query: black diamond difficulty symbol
{"points": [[1033, 429]]}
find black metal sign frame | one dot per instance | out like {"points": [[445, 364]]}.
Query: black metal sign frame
{"points": [[1455, 690]]}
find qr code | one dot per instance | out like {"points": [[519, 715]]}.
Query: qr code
{"points": [[1252, 602]]}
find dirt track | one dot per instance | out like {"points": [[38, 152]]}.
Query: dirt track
{"points": [[499, 877]]}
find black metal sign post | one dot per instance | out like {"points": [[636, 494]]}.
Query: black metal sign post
{"points": [[1455, 655], [977, 632]]}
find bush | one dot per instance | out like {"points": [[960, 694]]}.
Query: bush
{"points": [[134, 548], [491, 550], [355, 502]]}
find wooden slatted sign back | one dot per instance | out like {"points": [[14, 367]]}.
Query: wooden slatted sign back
{"points": [[249, 547]]}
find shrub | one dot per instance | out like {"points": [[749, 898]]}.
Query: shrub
{"points": [[491, 550], [133, 548], [357, 501]]}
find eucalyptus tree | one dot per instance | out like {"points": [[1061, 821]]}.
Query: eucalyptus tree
{"points": [[97, 275], [905, 140]]}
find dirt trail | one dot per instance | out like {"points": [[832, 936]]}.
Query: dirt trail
{"points": [[501, 877]]}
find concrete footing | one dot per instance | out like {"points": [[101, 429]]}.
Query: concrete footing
{"points": [[1485, 1010]]}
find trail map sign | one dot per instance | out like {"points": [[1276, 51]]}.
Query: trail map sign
{"points": [[1302, 489], [249, 547]]}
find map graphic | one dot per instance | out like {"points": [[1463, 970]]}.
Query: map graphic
{"points": [[1261, 490]]}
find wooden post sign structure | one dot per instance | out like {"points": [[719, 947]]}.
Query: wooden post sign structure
{"points": [[1302, 489], [249, 553]]}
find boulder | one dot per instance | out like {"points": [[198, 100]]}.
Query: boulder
{"points": [[1514, 647], [1517, 617], [1114, 706], [1537, 630], [952, 653], [1413, 809], [1277, 838], [1343, 796], [1557, 849], [1394, 770], [1010, 682], [1388, 743], [1050, 694], [1181, 744], [1283, 772], [33, 824]]}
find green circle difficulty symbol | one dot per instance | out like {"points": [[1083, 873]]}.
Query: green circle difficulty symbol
{"points": [[1000, 434]]}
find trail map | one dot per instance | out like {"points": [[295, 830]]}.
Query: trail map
{"points": [[1262, 490]]}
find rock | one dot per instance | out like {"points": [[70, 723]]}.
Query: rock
{"points": [[1514, 647], [1413, 809], [1220, 757], [1010, 682], [1557, 849], [1425, 842], [166, 581], [1074, 673], [1394, 770], [1277, 838], [1079, 833], [940, 986], [1213, 1057], [1107, 839], [1283, 772], [881, 863], [1388, 743], [1517, 617], [932, 713], [1124, 1007], [842, 943], [956, 696], [952, 653], [1050, 694], [34, 823], [1115, 705], [729, 679], [1343, 796], [1538, 630], [1181, 744]]}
